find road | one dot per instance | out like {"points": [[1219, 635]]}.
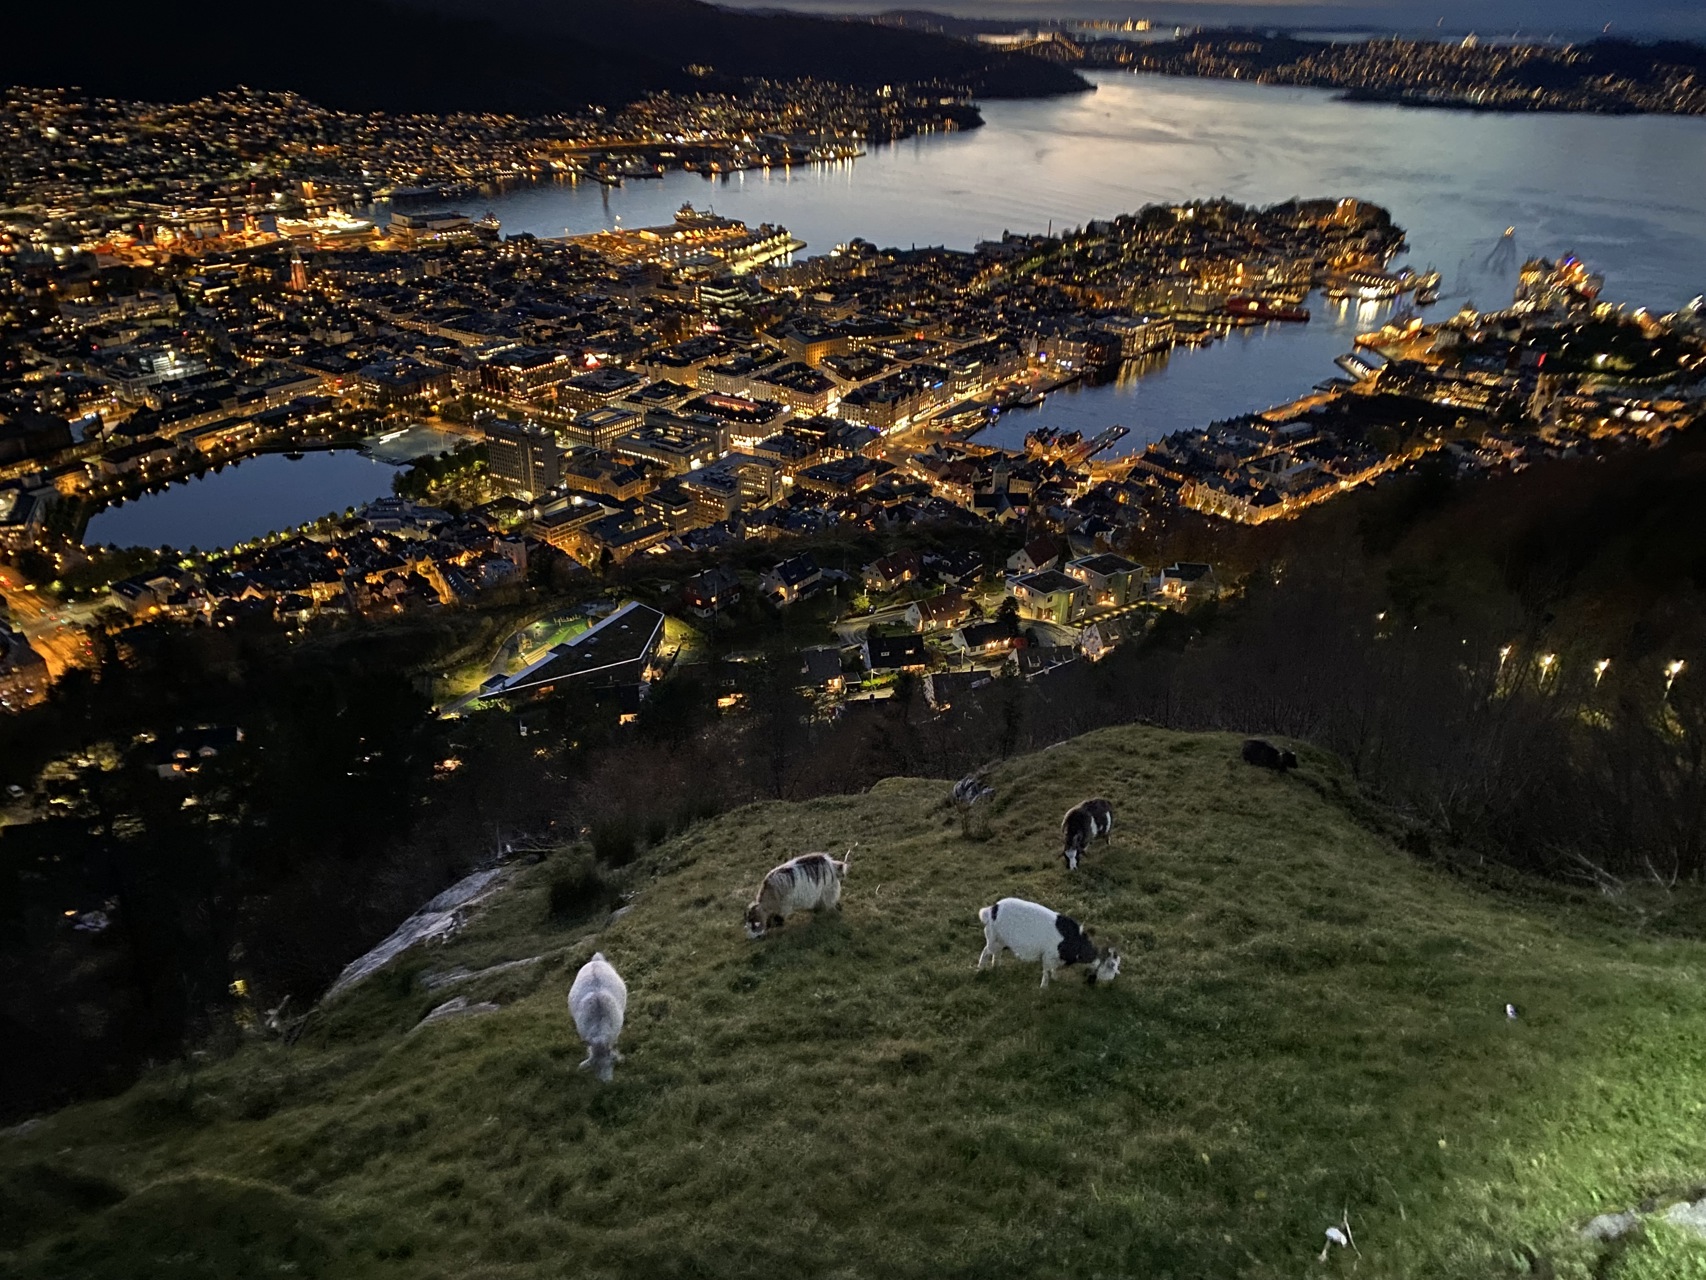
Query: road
{"points": [[54, 630]]}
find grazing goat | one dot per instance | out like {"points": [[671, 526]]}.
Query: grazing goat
{"points": [[970, 790], [1083, 822], [1033, 932], [1259, 751], [972, 800], [597, 1000], [810, 882]]}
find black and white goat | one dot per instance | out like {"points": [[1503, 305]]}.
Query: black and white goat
{"points": [[598, 999], [971, 790], [810, 882], [1261, 752], [1083, 823], [1032, 931], [972, 800]]}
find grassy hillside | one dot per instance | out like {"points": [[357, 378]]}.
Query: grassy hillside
{"points": [[1307, 1023]]}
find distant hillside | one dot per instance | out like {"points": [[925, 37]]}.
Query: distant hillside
{"points": [[774, 45], [454, 55], [1308, 1025], [373, 56]]}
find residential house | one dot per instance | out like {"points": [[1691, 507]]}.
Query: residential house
{"points": [[192, 747], [1036, 555], [893, 570], [792, 579], [1049, 596], [1099, 638], [895, 653], [956, 568], [1110, 580], [1039, 660], [23, 672], [820, 669], [144, 595], [984, 640], [706, 593], [938, 612], [942, 689], [1187, 583]]}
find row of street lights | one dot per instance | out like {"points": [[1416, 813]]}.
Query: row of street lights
{"points": [[1549, 661]]}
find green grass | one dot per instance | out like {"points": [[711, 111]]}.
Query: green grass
{"points": [[1307, 1022]]}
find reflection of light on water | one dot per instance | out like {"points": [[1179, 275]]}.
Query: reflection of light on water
{"points": [[1138, 367], [1366, 311]]}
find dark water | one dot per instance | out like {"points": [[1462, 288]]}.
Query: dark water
{"points": [[265, 494], [1627, 193]]}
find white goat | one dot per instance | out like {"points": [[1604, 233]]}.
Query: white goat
{"points": [[1032, 931], [598, 998], [810, 882]]}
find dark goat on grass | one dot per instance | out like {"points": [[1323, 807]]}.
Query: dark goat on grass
{"points": [[1083, 823], [1259, 751]]}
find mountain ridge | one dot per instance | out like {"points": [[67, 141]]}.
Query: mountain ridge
{"points": [[445, 56]]}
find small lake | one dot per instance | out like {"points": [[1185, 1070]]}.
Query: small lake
{"points": [[264, 494]]}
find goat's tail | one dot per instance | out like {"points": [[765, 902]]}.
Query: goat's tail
{"points": [[986, 914]]}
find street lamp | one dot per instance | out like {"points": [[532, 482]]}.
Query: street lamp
{"points": [[1673, 669], [1504, 653], [1599, 669], [1547, 660]]}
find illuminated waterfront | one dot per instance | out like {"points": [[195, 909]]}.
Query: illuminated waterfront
{"points": [[1622, 191]]}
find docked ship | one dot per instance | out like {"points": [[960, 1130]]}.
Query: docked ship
{"points": [[1266, 309], [1427, 288], [1365, 285], [335, 230]]}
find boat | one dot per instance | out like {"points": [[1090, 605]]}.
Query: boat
{"points": [[336, 230], [1361, 364], [1030, 399], [1265, 309], [1427, 288], [1365, 285]]}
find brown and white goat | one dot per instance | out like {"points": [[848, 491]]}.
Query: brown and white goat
{"points": [[810, 882]]}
